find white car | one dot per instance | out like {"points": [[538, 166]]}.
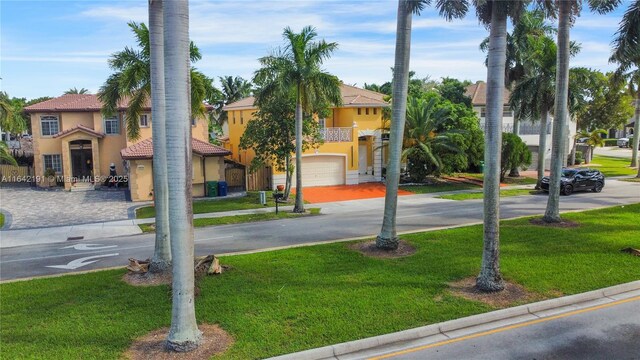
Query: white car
{"points": [[624, 142]]}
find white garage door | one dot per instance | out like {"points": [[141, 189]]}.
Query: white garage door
{"points": [[321, 170]]}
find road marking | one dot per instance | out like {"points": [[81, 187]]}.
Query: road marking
{"points": [[510, 327], [72, 265], [89, 247]]}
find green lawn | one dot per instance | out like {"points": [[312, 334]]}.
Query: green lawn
{"points": [[1, 219], [612, 166], [237, 219], [426, 189], [479, 195], [251, 201], [289, 300]]}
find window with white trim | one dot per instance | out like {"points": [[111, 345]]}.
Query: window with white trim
{"points": [[322, 123], [144, 120], [507, 112], [49, 125], [111, 126], [483, 112], [53, 162]]}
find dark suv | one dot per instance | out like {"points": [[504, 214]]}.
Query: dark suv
{"points": [[577, 180]]}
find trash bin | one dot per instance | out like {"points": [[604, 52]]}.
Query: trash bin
{"points": [[482, 167], [222, 188], [212, 188]]}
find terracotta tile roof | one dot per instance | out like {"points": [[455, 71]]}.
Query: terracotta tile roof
{"points": [[77, 128], [80, 102], [478, 94], [144, 150], [351, 97]]}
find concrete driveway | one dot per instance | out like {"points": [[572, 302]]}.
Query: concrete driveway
{"points": [[613, 151], [30, 208]]}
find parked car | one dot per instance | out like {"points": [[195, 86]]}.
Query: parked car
{"points": [[580, 179], [626, 142]]}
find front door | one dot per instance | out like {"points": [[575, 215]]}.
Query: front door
{"points": [[81, 163], [362, 159]]}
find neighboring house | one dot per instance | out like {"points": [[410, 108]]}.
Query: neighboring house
{"points": [[72, 137], [529, 131], [351, 153]]}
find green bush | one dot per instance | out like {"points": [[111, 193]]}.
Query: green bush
{"points": [[579, 157], [610, 142], [515, 153]]}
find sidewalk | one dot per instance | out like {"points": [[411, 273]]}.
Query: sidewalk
{"points": [[406, 341], [59, 234]]}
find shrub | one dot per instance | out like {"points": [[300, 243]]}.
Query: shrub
{"points": [[610, 142], [579, 157], [515, 153]]}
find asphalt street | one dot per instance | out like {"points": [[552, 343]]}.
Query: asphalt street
{"points": [[601, 332], [340, 220]]}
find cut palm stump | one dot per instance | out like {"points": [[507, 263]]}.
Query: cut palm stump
{"points": [[631, 251], [139, 274]]}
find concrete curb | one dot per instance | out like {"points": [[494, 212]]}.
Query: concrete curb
{"points": [[342, 349]]}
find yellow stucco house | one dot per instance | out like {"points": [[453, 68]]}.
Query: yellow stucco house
{"points": [[72, 137], [351, 153]]}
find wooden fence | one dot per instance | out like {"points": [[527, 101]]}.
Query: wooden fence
{"points": [[259, 179], [15, 174]]}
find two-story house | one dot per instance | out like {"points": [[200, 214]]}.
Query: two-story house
{"points": [[72, 137], [529, 131], [351, 152]]}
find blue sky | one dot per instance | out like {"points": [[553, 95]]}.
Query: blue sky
{"points": [[48, 47]]}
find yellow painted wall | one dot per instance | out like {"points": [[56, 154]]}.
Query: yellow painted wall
{"points": [[141, 180], [339, 117], [43, 145], [141, 176]]}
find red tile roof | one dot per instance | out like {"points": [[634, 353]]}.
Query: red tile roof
{"points": [[77, 128], [478, 94], [351, 97], [144, 150], [80, 102]]}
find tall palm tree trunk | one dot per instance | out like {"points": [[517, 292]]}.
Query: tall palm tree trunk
{"points": [[542, 141], [388, 238], [490, 278], [161, 260], [552, 213], [183, 334], [636, 133], [299, 206]]}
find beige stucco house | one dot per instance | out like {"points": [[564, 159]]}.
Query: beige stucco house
{"points": [[72, 137], [528, 130]]}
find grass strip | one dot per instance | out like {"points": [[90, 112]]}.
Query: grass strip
{"points": [[479, 195], [612, 166], [238, 219], [251, 201], [289, 300]]}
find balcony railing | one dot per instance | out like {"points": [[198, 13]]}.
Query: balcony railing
{"points": [[337, 134], [525, 128]]}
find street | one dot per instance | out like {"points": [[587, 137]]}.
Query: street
{"points": [[608, 331], [340, 220]]}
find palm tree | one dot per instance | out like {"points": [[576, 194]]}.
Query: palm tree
{"points": [[183, 334], [531, 25], [626, 52], [296, 69], [567, 10], [5, 154], [388, 238], [131, 82], [494, 14], [161, 260], [593, 139], [11, 119], [232, 90], [423, 142], [74, 90]]}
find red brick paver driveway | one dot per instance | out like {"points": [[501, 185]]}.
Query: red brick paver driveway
{"points": [[322, 194]]}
